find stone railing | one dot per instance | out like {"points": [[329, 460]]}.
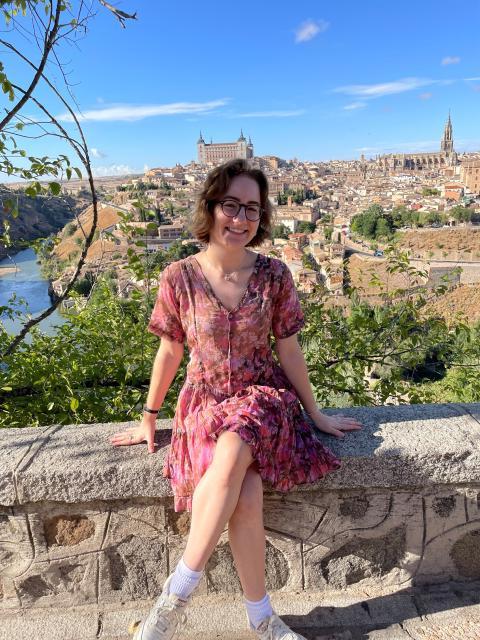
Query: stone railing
{"points": [[83, 522]]}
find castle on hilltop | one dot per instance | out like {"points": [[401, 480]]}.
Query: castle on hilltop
{"points": [[218, 152], [446, 157]]}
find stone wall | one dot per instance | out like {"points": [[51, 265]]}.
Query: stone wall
{"points": [[82, 522]]}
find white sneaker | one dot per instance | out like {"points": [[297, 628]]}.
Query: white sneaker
{"points": [[163, 619], [273, 628]]}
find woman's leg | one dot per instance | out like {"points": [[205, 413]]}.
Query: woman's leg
{"points": [[216, 497], [247, 537]]}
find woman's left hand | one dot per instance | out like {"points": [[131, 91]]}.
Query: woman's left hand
{"points": [[335, 425]]}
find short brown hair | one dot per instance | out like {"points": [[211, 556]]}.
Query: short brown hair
{"points": [[216, 185]]}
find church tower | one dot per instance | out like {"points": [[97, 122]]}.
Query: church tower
{"points": [[201, 149], [447, 140]]}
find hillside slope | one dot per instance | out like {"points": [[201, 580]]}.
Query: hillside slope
{"points": [[38, 217]]}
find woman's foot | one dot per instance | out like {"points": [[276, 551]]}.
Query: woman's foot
{"points": [[273, 628], [164, 618]]}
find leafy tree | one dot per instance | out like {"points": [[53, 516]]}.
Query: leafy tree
{"points": [[382, 228], [385, 353], [84, 285], [460, 213], [374, 223], [429, 191], [430, 217], [50, 24], [280, 231], [95, 368], [306, 227]]}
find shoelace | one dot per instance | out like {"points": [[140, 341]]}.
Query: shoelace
{"points": [[160, 617], [279, 625]]}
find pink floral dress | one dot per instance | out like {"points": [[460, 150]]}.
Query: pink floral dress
{"points": [[233, 381]]}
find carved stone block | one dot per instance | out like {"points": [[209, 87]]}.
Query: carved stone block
{"points": [[133, 561]]}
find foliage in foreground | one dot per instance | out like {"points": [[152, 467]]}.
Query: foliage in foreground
{"points": [[97, 367]]}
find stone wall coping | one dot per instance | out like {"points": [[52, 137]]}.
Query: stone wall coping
{"points": [[399, 446]]}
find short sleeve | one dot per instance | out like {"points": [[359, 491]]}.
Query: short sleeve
{"points": [[165, 318], [287, 316]]}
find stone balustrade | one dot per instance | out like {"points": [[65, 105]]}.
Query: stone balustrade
{"points": [[84, 522]]}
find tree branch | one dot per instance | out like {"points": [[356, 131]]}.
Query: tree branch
{"points": [[48, 46]]}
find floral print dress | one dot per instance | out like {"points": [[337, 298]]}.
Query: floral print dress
{"points": [[233, 381]]}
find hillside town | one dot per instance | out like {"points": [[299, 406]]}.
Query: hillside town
{"points": [[436, 195]]}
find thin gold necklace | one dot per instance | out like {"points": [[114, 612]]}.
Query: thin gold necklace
{"points": [[227, 276]]}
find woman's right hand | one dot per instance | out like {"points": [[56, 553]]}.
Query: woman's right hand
{"points": [[144, 432]]}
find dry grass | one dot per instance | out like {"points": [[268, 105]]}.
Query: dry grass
{"points": [[463, 300], [454, 243], [68, 246]]}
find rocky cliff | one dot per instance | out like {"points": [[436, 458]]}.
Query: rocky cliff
{"points": [[38, 217]]}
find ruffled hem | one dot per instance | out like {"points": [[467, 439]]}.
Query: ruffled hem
{"points": [[286, 451]]}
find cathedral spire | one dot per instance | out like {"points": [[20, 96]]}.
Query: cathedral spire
{"points": [[447, 140]]}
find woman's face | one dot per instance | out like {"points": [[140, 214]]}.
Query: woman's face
{"points": [[238, 231]]}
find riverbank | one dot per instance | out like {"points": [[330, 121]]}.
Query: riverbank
{"points": [[24, 280]]}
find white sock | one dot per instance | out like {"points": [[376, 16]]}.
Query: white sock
{"points": [[258, 611], [184, 581]]}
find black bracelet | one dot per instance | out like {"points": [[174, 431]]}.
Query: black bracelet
{"points": [[148, 410]]}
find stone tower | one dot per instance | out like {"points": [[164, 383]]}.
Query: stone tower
{"points": [[447, 140], [201, 149], [242, 145]]}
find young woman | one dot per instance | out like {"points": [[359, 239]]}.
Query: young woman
{"points": [[239, 420]]}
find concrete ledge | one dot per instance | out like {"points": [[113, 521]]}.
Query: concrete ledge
{"points": [[83, 523], [401, 446]]}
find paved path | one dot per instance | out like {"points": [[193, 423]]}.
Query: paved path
{"points": [[442, 612]]}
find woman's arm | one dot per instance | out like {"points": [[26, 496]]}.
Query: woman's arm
{"points": [[165, 367], [293, 363]]}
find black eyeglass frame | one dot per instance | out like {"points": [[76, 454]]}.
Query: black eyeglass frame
{"points": [[240, 205]]}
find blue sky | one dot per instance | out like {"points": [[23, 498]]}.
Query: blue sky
{"points": [[304, 79]]}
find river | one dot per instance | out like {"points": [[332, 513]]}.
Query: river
{"points": [[27, 282]]}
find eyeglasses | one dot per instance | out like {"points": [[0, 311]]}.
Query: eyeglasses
{"points": [[231, 208]]}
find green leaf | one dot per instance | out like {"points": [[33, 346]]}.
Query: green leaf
{"points": [[50, 406], [78, 172], [6, 388], [55, 188], [74, 404]]}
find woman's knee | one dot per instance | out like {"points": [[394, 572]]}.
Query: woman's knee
{"points": [[250, 502], [231, 458]]}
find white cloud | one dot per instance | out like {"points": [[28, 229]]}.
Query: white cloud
{"points": [[269, 114], [115, 170], [96, 153], [425, 96], [451, 60], [309, 29], [129, 113], [367, 91], [355, 105]]}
